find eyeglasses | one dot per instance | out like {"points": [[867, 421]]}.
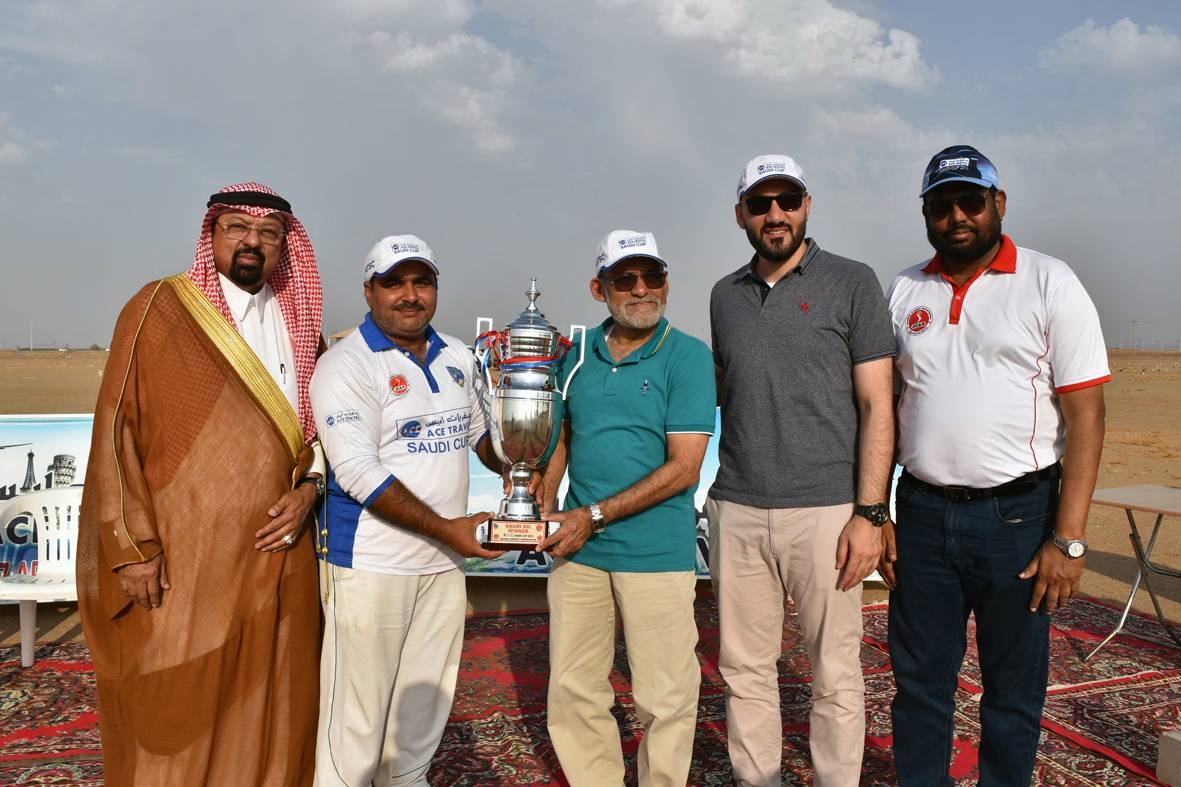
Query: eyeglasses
{"points": [[939, 208], [238, 231], [626, 282], [787, 202]]}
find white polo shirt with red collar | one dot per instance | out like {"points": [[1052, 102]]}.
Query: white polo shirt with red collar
{"points": [[982, 365]]}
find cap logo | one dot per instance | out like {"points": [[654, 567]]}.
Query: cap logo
{"points": [[633, 241], [918, 320], [601, 259], [370, 265], [405, 248], [773, 166], [955, 163]]}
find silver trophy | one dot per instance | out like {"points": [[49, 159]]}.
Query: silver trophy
{"points": [[525, 409]]}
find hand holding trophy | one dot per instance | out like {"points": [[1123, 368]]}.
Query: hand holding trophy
{"points": [[525, 410]]}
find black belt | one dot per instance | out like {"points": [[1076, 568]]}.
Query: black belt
{"points": [[963, 494]]}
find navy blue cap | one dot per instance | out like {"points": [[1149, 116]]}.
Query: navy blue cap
{"points": [[962, 163]]}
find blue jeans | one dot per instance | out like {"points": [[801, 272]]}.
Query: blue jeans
{"points": [[956, 558]]}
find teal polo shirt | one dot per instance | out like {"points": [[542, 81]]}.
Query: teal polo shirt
{"points": [[620, 414]]}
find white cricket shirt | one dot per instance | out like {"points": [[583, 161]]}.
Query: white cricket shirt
{"points": [[381, 415], [981, 366]]}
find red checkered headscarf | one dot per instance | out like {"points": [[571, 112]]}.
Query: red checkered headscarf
{"points": [[295, 281]]}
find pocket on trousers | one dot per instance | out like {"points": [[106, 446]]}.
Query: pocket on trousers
{"points": [[1022, 510], [903, 492]]}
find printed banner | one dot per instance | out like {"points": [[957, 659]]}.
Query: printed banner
{"points": [[43, 452], [41, 458]]}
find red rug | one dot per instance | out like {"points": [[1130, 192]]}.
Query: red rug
{"points": [[1101, 723]]}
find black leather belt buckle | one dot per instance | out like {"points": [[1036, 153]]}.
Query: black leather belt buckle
{"points": [[965, 494]]}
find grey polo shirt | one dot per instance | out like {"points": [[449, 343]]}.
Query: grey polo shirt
{"points": [[789, 413]]}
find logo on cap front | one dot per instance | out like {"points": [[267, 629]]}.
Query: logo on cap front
{"points": [[405, 248], [632, 242], [918, 320], [399, 385], [955, 163], [774, 166]]}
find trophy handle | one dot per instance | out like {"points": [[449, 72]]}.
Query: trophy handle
{"points": [[581, 331], [483, 326]]}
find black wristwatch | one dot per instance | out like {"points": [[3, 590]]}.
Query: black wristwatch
{"points": [[878, 514], [317, 480]]}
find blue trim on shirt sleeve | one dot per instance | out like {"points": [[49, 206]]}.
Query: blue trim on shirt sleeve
{"points": [[376, 493]]}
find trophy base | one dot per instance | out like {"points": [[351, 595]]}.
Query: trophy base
{"points": [[512, 534]]}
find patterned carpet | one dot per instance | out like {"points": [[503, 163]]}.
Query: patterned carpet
{"points": [[1101, 723]]}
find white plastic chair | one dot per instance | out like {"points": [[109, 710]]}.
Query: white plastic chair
{"points": [[53, 514]]}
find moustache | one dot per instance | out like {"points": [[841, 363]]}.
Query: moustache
{"points": [[255, 250], [409, 307]]}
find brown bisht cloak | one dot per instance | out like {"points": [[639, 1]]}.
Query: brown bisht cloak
{"points": [[192, 443]]}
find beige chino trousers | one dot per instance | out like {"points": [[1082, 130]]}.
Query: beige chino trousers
{"points": [[661, 636], [756, 556]]}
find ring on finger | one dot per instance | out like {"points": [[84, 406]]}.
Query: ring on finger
{"points": [[288, 539]]}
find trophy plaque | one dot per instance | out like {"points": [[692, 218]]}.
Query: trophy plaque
{"points": [[525, 411]]}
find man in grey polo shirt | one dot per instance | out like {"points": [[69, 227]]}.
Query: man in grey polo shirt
{"points": [[803, 350]]}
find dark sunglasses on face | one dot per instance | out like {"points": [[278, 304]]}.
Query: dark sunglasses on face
{"points": [[626, 282], [939, 208], [787, 202]]}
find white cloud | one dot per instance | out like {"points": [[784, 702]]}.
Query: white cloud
{"points": [[11, 151], [1123, 48], [461, 78], [448, 13], [800, 42]]}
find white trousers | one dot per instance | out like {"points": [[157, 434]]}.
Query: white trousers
{"points": [[387, 675]]}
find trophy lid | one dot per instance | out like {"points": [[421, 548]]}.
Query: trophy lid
{"points": [[531, 317]]}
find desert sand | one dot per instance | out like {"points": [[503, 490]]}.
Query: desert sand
{"points": [[1142, 446]]}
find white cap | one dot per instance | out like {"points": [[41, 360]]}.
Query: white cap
{"points": [[772, 165], [392, 250], [620, 245]]}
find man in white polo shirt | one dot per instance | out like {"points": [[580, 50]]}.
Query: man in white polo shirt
{"points": [[397, 408], [1000, 427]]}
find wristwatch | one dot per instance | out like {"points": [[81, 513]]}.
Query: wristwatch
{"points": [[878, 514], [1073, 548], [598, 523], [317, 481]]}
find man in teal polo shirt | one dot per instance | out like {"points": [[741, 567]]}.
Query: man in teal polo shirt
{"points": [[639, 414]]}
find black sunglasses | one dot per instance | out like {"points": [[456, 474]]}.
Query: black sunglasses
{"points": [[626, 282], [939, 208], [787, 202]]}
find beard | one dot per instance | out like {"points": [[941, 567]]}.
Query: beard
{"points": [[782, 248], [987, 235], [645, 320], [247, 275]]}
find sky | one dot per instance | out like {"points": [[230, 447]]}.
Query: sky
{"points": [[512, 135]]}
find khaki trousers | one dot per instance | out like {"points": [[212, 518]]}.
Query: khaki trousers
{"points": [[757, 555], [387, 675], [660, 634]]}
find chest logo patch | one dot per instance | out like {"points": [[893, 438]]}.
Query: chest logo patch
{"points": [[456, 375], [918, 320], [399, 385], [804, 307]]}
